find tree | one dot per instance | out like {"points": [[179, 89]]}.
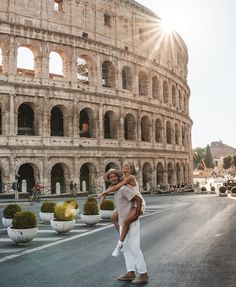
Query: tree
{"points": [[227, 162], [233, 161], [199, 153], [209, 158]]}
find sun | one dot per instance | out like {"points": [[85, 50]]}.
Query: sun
{"points": [[167, 26]]}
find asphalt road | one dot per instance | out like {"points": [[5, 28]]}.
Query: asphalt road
{"points": [[186, 241]]}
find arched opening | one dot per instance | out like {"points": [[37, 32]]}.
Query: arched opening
{"points": [[143, 84], [184, 105], [126, 78], [86, 123], [168, 133], [129, 127], [165, 93], [160, 173], [180, 101], [184, 175], [1, 61], [108, 75], [174, 96], [183, 136], [110, 125], [58, 180], [145, 129], [155, 87], [178, 174], [88, 175], [25, 62], [26, 174], [55, 65], [170, 173], [147, 176], [82, 70], [57, 122], [25, 120], [176, 134], [158, 131]]}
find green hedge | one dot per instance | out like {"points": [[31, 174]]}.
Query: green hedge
{"points": [[63, 212], [24, 220], [107, 205], [48, 207], [10, 210]]}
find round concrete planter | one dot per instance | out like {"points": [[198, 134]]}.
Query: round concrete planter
{"points": [[46, 216], [22, 236], [223, 194], [62, 227], [6, 221], [233, 194], [90, 219], [106, 214]]}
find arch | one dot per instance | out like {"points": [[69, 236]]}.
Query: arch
{"points": [[165, 93], [86, 123], [147, 176], [127, 79], [26, 121], [59, 173], [180, 101], [155, 87], [145, 129], [178, 174], [26, 172], [168, 133], [143, 83], [160, 173], [173, 95], [25, 61], [183, 136], [110, 125], [56, 64], [83, 69], [57, 122], [184, 174], [129, 127], [170, 173], [158, 131], [108, 75], [176, 134], [184, 104], [88, 176]]}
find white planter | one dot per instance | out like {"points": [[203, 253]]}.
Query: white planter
{"points": [[22, 236], [6, 221], [233, 194], [90, 219], [106, 214], [46, 216], [62, 227], [223, 194], [75, 212]]}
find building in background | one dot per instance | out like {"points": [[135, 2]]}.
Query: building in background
{"points": [[86, 85]]}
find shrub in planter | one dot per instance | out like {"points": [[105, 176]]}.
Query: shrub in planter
{"points": [[229, 187], [213, 188], [203, 189], [63, 212], [92, 199], [24, 220], [107, 205], [222, 189], [233, 191], [24, 227], [8, 214], [90, 208], [48, 207], [10, 210]]}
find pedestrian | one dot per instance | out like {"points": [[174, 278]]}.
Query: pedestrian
{"points": [[71, 186], [127, 179], [75, 189], [125, 199]]}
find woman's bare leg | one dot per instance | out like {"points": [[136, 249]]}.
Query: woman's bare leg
{"points": [[114, 220], [127, 222]]}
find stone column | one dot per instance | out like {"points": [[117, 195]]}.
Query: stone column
{"points": [[12, 129]]}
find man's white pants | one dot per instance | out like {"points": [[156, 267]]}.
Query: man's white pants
{"points": [[133, 255]]}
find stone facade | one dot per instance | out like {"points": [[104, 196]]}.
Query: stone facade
{"points": [[122, 95]]}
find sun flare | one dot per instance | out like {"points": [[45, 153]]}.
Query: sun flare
{"points": [[167, 26]]}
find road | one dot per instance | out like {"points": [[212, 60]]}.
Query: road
{"points": [[186, 240]]}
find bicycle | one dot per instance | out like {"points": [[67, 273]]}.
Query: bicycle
{"points": [[34, 196]]}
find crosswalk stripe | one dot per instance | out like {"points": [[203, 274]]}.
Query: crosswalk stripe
{"points": [[35, 239], [10, 250], [53, 231]]}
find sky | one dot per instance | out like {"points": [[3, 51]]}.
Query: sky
{"points": [[208, 29]]}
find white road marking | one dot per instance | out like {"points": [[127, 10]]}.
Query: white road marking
{"points": [[53, 231], [31, 250], [11, 250], [35, 239]]}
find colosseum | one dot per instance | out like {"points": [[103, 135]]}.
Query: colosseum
{"points": [[85, 86]]}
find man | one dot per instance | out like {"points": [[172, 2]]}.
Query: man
{"points": [[125, 198]]}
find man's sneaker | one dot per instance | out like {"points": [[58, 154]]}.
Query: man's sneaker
{"points": [[117, 250]]}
